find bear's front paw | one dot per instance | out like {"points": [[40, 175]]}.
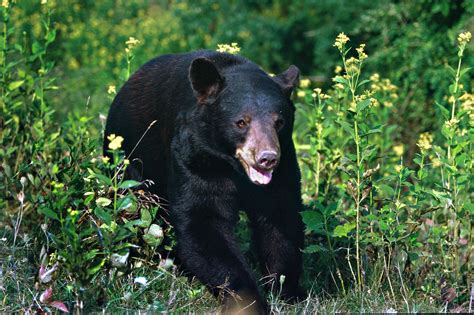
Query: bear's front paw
{"points": [[243, 302]]}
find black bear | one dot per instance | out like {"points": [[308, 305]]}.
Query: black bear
{"points": [[222, 142]]}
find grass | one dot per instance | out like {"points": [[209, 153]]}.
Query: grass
{"points": [[166, 289]]}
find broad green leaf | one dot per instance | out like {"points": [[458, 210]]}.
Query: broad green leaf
{"points": [[362, 83], [129, 184], [103, 215], [49, 213], [103, 179], [344, 230], [15, 85], [103, 202], [363, 105], [313, 221]]}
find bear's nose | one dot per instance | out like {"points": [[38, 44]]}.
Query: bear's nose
{"points": [[267, 160]]}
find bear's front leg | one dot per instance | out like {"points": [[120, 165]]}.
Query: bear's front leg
{"points": [[207, 248], [278, 235], [278, 229]]}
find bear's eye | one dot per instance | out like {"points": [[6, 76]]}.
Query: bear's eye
{"points": [[241, 123], [279, 123]]}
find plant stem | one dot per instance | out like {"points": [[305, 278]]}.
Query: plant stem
{"points": [[357, 140]]}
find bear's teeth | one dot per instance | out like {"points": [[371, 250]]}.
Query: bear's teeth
{"points": [[260, 177]]}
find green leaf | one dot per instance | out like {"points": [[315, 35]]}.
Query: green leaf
{"points": [[340, 79], [49, 213], [464, 71], [362, 83], [444, 110], [129, 184], [15, 85], [50, 36], [103, 179], [96, 267], [145, 218], [91, 254], [313, 221], [103, 215], [36, 48], [363, 105], [103, 202], [343, 230], [386, 189], [312, 249]]}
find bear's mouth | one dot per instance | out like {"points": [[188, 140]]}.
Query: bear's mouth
{"points": [[257, 176]]}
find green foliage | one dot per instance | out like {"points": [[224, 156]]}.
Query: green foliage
{"points": [[409, 224]]}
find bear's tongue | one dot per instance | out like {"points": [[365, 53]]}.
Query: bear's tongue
{"points": [[260, 177]]}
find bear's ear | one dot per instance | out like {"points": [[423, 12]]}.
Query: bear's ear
{"points": [[205, 79], [288, 80]]}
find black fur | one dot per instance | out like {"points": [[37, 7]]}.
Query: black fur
{"points": [[190, 155]]}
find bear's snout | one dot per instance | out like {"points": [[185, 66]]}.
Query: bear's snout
{"points": [[267, 160]]}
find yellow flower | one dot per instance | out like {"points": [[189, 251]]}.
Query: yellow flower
{"points": [[132, 42], [361, 52], [352, 65], [115, 142], [338, 69], [451, 123], [339, 86], [317, 90], [233, 48], [398, 168], [464, 38], [111, 90], [301, 93], [5, 3], [126, 162], [341, 40], [399, 149], [324, 96], [388, 104], [374, 102], [72, 213], [375, 77], [425, 142], [436, 162], [105, 159], [44, 1], [304, 83]]}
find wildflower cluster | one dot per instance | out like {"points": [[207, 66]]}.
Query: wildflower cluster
{"points": [[317, 93], [131, 43], [384, 90], [361, 52], [111, 90], [233, 48], [304, 83], [115, 142], [467, 105], [464, 38], [425, 142], [341, 41]]}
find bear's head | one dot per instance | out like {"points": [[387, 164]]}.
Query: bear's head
{"points": [[248, 114]]}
